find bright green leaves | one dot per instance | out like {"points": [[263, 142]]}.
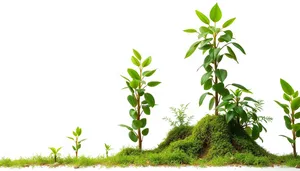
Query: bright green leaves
{"points": [[288, 138], [215, 13], [286, 87], [137, 54], [202, 17], [132, 100], [153, 83], [133, 74], [295, 103], [219, 88], [239, 47], [150, 99], [203, 97], [205, 77], [228, 22], [221, 74], [285, 107], [229, 116], [244, 89], [133, 136], [255, 132], [192, 49], [135, 61], [231, 54], [140, 100], [288, 123], [190, 31], [147, 61]]}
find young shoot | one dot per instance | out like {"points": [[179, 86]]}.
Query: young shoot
{"points": [[54, 153], [107, 149], [77, 142], [180, 116]]}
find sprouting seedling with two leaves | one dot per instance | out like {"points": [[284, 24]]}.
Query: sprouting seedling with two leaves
{"points": [[54, 152], [76, 140]]}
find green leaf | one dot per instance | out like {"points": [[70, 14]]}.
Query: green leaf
{"points": [[135, 61], [223, 103], [132, 136], [82, 140], [228, 97], [242, 88], [190, 31], [295, 103], [221, 74], [298, 134], [288, 138], [146, 109], [202, 98], [229, 116], [148, 73], [78, 131], [286, 87], [74, 148], [287, 122], [133, 74], [153, 83], [296, 94], [147, 61], [140, 92], [285, 107], [215, 13], [136, 124], [192, 49], [211, 103], [125, 126], [133, 113], [297, 115], [239, 47], [296, 127], [220, 89], [232, 54], [144, 122], [205, 30], [230, 106], [208, 84], [250, 99], [71, 138], [129, 87], [125, 78], [255, 132], [150, 99], [134, 83], [241, 113], [286, 97], [226, 37], [205, 77], [202, 17], [75, 134], [145, 131], [228, 22], [132, 100], [137, 54]]}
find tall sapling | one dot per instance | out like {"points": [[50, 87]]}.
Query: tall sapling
{"points": [[141, 101], [291, 114]]}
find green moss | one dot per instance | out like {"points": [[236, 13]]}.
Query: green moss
{"points": [[177, 133], [213, 137]]}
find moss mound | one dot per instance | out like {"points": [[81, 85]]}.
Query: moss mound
{"points": [[213, 137], [177, 133]]}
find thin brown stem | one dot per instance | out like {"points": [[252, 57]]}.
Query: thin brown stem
{"points": [[139, 114]]}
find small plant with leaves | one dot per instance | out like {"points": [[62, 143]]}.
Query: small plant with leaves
{"points": [[54, 152], [243, 109], [141, 101], [181, 118], [215, 42], [291, 114], [107, 149], [76, 140]]}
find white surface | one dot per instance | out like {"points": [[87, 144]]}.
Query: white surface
{"points": [[160, 168], [61, 60]]}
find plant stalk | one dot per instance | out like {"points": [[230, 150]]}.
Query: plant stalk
{"points": [[216, 79], [294, 135], [139, 114]]}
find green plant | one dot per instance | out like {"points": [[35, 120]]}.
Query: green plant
{"points": [[244, 110], [76, 140], [54, 152], [210, 40], [181, 118], [290, 110], [107, 149], [140, 100]]}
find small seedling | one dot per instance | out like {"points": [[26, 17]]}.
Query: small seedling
{"points": [[181, 118], [107, 149], [141, 101], [76, 140], [54, 152], [291, 113]]}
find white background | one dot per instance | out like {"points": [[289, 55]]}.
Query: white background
{"points": [[60, 66]]}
